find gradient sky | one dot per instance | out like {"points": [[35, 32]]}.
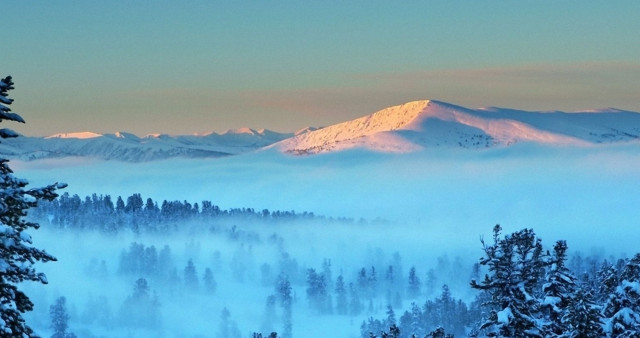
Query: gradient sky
{"points": [[181, 67]]}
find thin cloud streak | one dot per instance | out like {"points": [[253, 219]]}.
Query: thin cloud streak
{"points": [[567, 87], [555, 86]]}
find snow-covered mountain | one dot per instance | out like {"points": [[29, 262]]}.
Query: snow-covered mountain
{"points": [[422, 124], [405, 128], [128, 147]]}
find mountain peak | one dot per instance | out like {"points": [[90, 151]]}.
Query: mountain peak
{"points": [[244, 130], [124, 136], [430, 123]]}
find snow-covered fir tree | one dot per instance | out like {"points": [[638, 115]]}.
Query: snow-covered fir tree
{"points": [[439, 332], [622, 311], [558, 291], [394, 332], [412, 322], [371, 327], [449, 313], [607, 280], [583, 318], [17, 254], [515, 264]]}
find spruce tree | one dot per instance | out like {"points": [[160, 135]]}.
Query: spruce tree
{"points": [[439, 332], [260, 335], [583, 318], [342, 304], [326, 273], [622, 310], [141, 309], [60, 319], [514, 263], [317, 291], [17, 254], [558, 291], [191, 277], [372, 281], [394, 332], [370, 328], [607, 281], [363, 282], [228, 328], [283, 293], [391, 317], [355, 304], [416, 323], [413, 289], [446, 309], [209, 281]]}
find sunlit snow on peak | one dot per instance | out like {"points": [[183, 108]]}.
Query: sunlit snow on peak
{"points": [[76, 135], [429, 123]]}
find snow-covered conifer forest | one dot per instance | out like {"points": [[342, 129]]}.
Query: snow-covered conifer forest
{"points": [[180, 269]]}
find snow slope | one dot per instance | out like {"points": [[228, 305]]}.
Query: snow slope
{"points": [[429, 123]]}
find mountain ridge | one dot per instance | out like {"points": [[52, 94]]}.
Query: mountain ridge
{"points": [[128, 147], [408, 127], [430, 123]]}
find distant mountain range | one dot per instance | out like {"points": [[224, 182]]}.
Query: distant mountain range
{"points": [[128, 147], [404, 128]]}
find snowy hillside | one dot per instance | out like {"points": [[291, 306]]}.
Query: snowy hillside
{"points": [[131, 148], [422, 124]]}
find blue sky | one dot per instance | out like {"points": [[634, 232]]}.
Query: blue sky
{"points": [[198, 66]]}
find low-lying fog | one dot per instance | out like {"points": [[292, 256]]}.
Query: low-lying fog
{"points": [[430, 208], [559, 192]]}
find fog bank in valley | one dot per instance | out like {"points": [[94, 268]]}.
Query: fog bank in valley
{"points": [[554, 190], [425, 210]]}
